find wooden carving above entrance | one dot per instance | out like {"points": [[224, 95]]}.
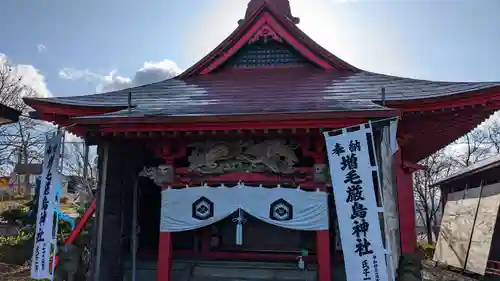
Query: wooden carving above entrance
{"points": [[290, 160], [265, 33], [160, 174], [218, 157]]}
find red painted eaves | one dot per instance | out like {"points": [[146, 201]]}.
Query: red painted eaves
{"points": [[289, 32], [489, 97], [48, 106]]}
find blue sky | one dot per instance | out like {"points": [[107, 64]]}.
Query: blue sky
{"points": [[80, 47]]}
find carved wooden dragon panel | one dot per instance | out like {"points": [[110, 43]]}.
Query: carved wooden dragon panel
{"points": [[217, 157]]}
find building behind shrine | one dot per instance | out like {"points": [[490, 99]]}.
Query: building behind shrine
{"points": [[478, 186], [8, 115]]}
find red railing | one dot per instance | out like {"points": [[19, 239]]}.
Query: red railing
{"points": [[493, 267], [80, 225]]}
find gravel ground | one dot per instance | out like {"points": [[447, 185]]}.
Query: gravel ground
{"points": [[14, 272], [432, 273]]}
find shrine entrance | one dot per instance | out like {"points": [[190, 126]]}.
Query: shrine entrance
{"points": [[257, 197], [236, 225]]}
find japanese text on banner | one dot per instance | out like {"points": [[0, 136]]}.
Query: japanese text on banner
{"points": [[45, 226], [355, 200]]}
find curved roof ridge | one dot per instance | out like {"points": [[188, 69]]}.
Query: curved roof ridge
{"points": [[391, 81], [297, 83], [429, 80]]}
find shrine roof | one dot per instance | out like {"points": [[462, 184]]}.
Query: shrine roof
{"points": [[249, 91], [481, 166], [8, 115], [268, 74]]}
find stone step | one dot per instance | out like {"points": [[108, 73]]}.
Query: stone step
{"points": [[254, 275], [239, 279], [247, 264], [249, 271], [190, 270]]}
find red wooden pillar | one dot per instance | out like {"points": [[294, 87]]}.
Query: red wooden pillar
{"points": [[168, 151], [406, 203], [165, 257], [322, 236], [323, 255]]}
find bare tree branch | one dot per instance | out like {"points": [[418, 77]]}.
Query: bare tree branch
{"points": [[23, 141], [474, 147], [12, 90], [437, 166], [74, 166]]}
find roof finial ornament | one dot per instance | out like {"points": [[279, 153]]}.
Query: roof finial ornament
{"points": [[281, 7]]}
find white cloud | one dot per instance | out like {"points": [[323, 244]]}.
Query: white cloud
{"points": [[112, 82], [30, 76], [74, 74], [41, 48], [150, 72]]}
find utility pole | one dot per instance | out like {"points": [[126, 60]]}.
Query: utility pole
{"points": [[18, 177], [26, 171]]}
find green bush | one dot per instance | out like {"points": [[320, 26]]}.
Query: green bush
{"points": [[16, 249], [427, 249], [16, 239], [17, 215]]}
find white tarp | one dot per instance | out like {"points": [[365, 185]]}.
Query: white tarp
{"points": [[483, 229], [358, 214], [467, 228], [456, 227], [45, 223], [196, 207]]}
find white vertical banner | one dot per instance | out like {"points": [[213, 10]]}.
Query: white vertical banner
{"points": [[47, 203], [351, 174]]}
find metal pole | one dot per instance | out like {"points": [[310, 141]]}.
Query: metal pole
{"points": [[85, 160], [62, 149], [100, 212], [18, 177], [56, 229], [129, 102], [58, 199], [383, 96], [133, 243], [86, 165]]}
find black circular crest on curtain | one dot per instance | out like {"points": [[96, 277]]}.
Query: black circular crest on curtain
{"points": [[281, 210], [202, 208]]}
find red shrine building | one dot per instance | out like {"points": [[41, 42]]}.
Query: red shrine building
{"points": [[252, 110]]}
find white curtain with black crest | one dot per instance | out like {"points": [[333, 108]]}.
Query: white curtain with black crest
{"points": [[196, 207]]}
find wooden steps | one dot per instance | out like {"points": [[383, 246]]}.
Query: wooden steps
{"points": [[184, 270]]}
